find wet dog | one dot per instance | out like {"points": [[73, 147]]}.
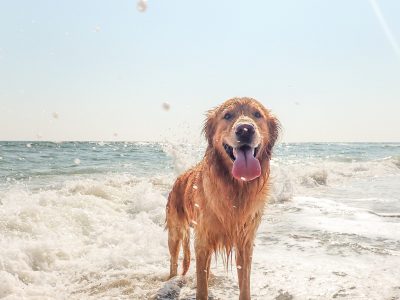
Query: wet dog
{"points": [[223, 197]]}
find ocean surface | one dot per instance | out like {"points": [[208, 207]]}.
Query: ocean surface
{"points": [[85, 220]]}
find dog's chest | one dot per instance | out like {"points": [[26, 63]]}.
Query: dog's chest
{"points": [[225, 214]]}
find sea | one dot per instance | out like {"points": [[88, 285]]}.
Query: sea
{"points": [[85, 220]]}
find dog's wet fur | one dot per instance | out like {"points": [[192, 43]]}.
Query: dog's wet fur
{"points": [[225, 212]]}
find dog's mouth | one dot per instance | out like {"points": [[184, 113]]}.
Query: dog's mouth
{"points": [[246, 166], [229, 151], [245, 148]]}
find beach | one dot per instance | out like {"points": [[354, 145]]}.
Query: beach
{"points": [[85, 220]]}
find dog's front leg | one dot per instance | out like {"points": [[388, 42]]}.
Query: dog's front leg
{"points": [[243, 264], [203, 259]]}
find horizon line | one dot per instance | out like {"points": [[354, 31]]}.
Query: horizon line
{"points": [[153, 141]]}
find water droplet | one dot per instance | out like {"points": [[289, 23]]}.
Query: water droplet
{"points": [[239, 267], [195, 187], [77, 161], [194, 222], [166, 106], [242, 178], [141, 5], [198, 206]]}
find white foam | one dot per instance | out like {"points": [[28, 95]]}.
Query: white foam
{"points": [[104, 237], [51, 239], [309, 178]]}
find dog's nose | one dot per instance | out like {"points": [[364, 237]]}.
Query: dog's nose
{"points": [[244, 132]]}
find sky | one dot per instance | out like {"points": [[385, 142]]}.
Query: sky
{"points": [[101, 70]]}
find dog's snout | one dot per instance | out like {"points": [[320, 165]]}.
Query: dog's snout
{"points": [[245, 132]]}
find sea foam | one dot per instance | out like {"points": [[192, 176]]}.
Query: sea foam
{"points": [[51, 239], [96, 230]]}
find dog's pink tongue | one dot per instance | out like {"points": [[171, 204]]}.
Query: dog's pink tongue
{"points": [[246, 167]]}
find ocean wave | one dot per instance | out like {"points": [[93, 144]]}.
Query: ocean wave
{"points": [[395, 160], [328, 173], [78, 229], [104, 237]]}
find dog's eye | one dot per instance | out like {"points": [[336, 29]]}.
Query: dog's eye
{"points": [[228, 116], [257, 114]]}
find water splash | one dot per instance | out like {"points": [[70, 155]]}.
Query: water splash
{"points": [[141, 5], [166, 106]]}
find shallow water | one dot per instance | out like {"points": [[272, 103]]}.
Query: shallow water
{"points": [[86, 221]]}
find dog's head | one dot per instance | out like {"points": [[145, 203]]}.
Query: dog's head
{"points": [[242, 132]]}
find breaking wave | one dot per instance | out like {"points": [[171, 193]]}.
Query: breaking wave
{"points": [[61, 242], [102, 235]]}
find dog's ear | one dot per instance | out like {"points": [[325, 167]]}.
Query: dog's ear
{"points": [[209, 125], [273, 133]]}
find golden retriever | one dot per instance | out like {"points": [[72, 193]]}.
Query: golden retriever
{"points": [[223, 197]]}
